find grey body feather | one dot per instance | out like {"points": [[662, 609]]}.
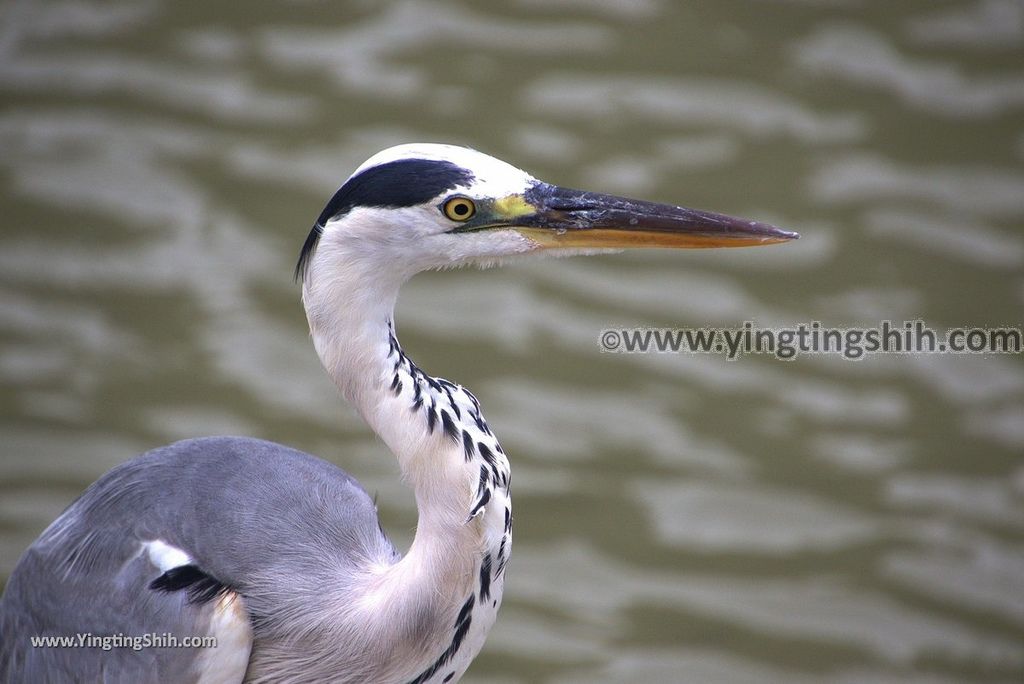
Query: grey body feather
{"points": [[245, 510]]}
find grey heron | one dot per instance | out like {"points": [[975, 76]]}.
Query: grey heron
{"points": [[280, 555]]}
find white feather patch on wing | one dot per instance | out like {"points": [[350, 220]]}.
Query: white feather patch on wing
{"points": [[164, 556], [227, 662]]}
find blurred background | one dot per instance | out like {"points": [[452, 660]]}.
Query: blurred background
{"points": [[678, 517]]}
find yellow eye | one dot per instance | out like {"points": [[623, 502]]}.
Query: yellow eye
{"points": [[459, 208]]}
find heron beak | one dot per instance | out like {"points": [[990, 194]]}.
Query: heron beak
{"points": [[558, 217]]}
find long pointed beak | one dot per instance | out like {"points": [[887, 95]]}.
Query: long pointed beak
{"points": [[563, 217]]}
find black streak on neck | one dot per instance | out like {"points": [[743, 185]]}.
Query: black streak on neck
{"points": [[461, 628]]}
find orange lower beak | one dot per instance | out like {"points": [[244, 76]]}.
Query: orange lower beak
{"points": [[562, 217]]}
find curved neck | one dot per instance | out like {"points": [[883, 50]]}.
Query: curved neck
{"points": [[420, 418], [449, 456]]}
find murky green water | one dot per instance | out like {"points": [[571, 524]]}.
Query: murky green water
{"points": [[678, 517]]}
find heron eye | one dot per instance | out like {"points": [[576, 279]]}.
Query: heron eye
{"points": [[459, 208]]}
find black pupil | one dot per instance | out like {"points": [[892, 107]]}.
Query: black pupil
{"points": [[460, 209]]}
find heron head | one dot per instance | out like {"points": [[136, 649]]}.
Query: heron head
{"points": [[423, 206]]}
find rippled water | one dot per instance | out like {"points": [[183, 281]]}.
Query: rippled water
{"points": [[679, 518]]}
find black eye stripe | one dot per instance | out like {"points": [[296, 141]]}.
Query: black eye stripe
{"points": [[400, 183]]}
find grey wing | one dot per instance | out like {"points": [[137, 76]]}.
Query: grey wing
{"points": [[102, 623], [166, 548]]}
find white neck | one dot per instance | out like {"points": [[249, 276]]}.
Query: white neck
{"points": [[445, 452]]}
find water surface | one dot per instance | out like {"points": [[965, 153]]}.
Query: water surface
{"points": [[678, 517]]}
